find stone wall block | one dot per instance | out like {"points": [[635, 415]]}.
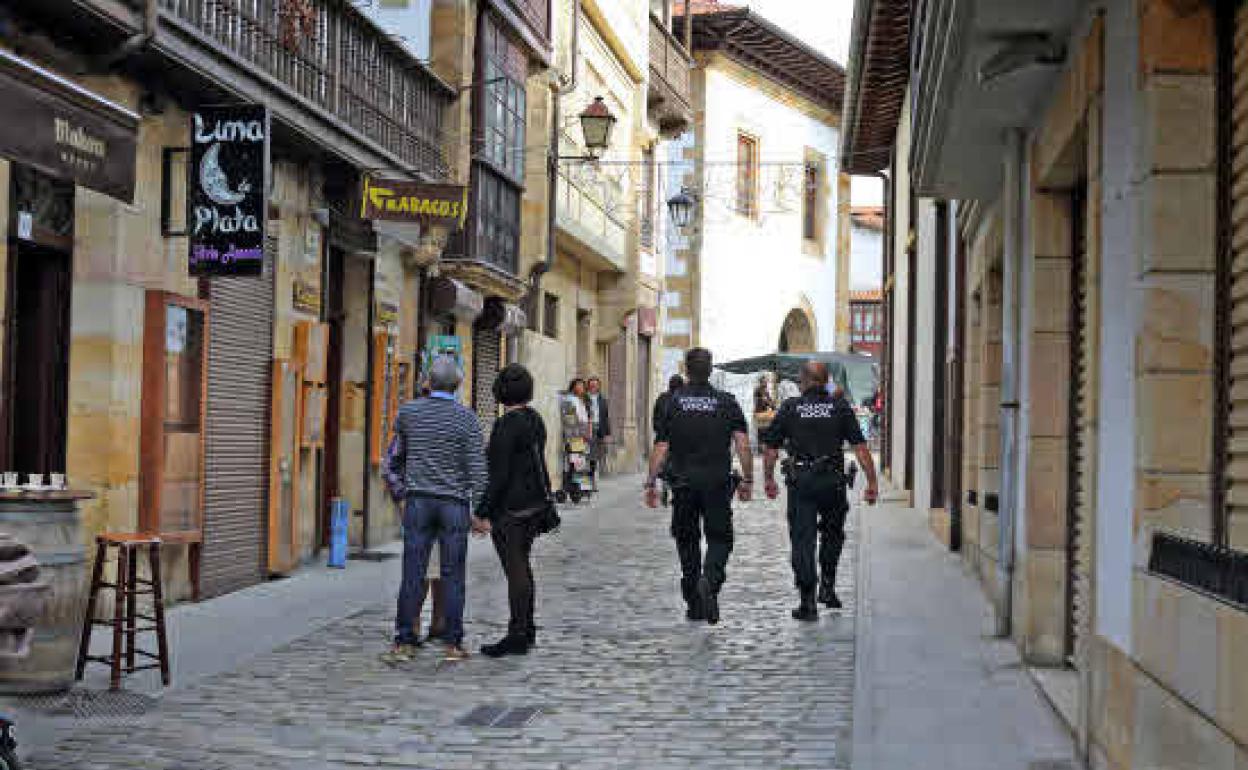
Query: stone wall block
{"points": [[1180, 122], [1046, 493], [1176, 36], [1052, 292], [1113, 702], [1179, 213], [1174, 502], [1045, 606], [1171, 734], [1232, 674], [1177, 331], [1174, 415], [1049, 398]]}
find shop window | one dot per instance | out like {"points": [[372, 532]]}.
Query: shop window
{"points": [[550, 316], [747, 175]]}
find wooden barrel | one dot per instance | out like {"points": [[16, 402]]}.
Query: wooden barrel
{"points": [[51, 526]]}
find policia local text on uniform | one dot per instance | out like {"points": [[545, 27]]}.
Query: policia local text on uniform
{"points": [[813, 429]]}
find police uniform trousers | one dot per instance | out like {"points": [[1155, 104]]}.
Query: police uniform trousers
{"points": [[697, 510], [816, 512]]}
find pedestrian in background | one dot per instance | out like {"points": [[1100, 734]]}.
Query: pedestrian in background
{"points": [[698, 430], [515, 500], [441, 459], [600, 418], [674, 383]]}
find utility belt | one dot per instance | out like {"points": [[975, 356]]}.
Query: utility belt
{"points": [[825, 469]]}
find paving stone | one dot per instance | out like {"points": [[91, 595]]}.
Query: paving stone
{"points": [[621, 678]]}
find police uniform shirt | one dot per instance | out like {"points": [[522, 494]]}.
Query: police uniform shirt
{"points": [[815, 425], [698, 424]]}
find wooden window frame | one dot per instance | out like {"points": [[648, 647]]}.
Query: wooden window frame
{"points": [[747, 196], [152, 404], [550, 315], [812, 184], [1224, 83]]}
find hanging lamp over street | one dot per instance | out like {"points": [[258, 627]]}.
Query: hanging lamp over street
{"points": [[597, 122], [680, 206]]}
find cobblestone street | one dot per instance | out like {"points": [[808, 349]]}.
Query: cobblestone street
{"points": [[620, 677]]}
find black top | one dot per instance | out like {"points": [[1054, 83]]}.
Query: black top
{"points": [[660, 411], [814, 425], [517, 480], [698, 424]]}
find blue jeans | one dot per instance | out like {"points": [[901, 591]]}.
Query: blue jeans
{"points": [[426, 519]]}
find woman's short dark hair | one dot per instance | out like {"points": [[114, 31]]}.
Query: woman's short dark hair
{"points": [[513, 386], [675, 383], [572, 384]]}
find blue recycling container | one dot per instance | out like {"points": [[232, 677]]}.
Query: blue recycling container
{"points": [[339, 522]]}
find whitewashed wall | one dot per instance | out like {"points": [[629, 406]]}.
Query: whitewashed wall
{"points": [[866, 258], [754, 272]]}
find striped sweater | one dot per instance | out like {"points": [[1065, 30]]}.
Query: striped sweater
{"points": [[437, 450]]}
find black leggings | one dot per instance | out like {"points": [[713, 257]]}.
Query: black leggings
{"points": [[513, 540]]}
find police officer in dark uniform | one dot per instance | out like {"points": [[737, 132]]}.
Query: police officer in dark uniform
{"points": [[813, 429], [698, 429]]}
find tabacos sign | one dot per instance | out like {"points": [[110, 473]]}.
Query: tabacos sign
{"points": [[229, 173], [398, 200]]}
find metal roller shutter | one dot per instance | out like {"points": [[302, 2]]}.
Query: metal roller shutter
{"points": [[486, 351], [237, 436], [1236, 309], [1080, 431]]}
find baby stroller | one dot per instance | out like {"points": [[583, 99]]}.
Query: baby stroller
{"points": [[578, 477], [22, 600]]}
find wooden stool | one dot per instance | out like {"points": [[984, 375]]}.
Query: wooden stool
{"points": [[126, 590]]}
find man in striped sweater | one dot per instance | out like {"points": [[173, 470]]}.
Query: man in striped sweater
{"points": [[439, 463]]}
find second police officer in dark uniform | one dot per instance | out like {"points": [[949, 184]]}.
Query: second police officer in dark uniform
{"points": [[813, 429], [696, 433]]}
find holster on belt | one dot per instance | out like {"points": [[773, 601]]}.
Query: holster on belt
{"points": [[799, 470]]}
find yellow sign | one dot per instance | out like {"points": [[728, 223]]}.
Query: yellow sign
{"points": [[398, 200]]}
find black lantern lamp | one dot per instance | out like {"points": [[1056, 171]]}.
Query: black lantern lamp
{"points": [[597, 123], [681, 206]]}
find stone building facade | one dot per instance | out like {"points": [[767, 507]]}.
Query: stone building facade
{"points": [[764, 263], [1068, 214]]}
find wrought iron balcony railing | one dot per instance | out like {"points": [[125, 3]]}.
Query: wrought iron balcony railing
{"points": [[1216, 570], [329, 54]]}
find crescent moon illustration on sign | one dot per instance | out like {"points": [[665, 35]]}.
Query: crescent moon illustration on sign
{"points": [[213, 181]]}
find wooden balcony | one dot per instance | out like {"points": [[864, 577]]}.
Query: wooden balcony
{"points": [[324, 68], [670, 97]]}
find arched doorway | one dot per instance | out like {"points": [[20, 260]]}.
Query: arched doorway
{"points": [[797, 335]]}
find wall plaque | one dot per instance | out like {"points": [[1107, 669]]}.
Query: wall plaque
{"points": [[230, 168]]}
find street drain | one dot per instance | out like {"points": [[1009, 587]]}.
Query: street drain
{"points": [[89, 704], [500, 716]]}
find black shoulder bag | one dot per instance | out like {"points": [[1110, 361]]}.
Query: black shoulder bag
{"points": [[545, 516]]}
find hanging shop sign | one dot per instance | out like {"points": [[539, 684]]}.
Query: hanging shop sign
{"points": [[66, 131], [398, 200], [230, 170]]}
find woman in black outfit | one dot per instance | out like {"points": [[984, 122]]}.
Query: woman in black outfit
{"points": [[516, 492]]}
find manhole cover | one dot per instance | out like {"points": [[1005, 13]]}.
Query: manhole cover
{"points": [[90, 704], [372, 556], [500, 716]]}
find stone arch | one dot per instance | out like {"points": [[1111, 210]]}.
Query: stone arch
{"points": [[798, 332]]}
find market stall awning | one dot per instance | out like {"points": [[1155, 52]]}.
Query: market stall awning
{"points": [[858, 375]]}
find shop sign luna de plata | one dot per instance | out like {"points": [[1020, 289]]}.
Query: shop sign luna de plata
{"points": [[229, 173]]}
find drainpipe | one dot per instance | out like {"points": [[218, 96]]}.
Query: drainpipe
{"points": [[886, 350], [1011, 273], [552, 157]]}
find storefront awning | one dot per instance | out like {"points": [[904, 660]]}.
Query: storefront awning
{"points": [[65, 130], [449, 297]]}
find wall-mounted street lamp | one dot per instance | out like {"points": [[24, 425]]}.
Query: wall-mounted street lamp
{"points": [[597, 122], [680, 206]]}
